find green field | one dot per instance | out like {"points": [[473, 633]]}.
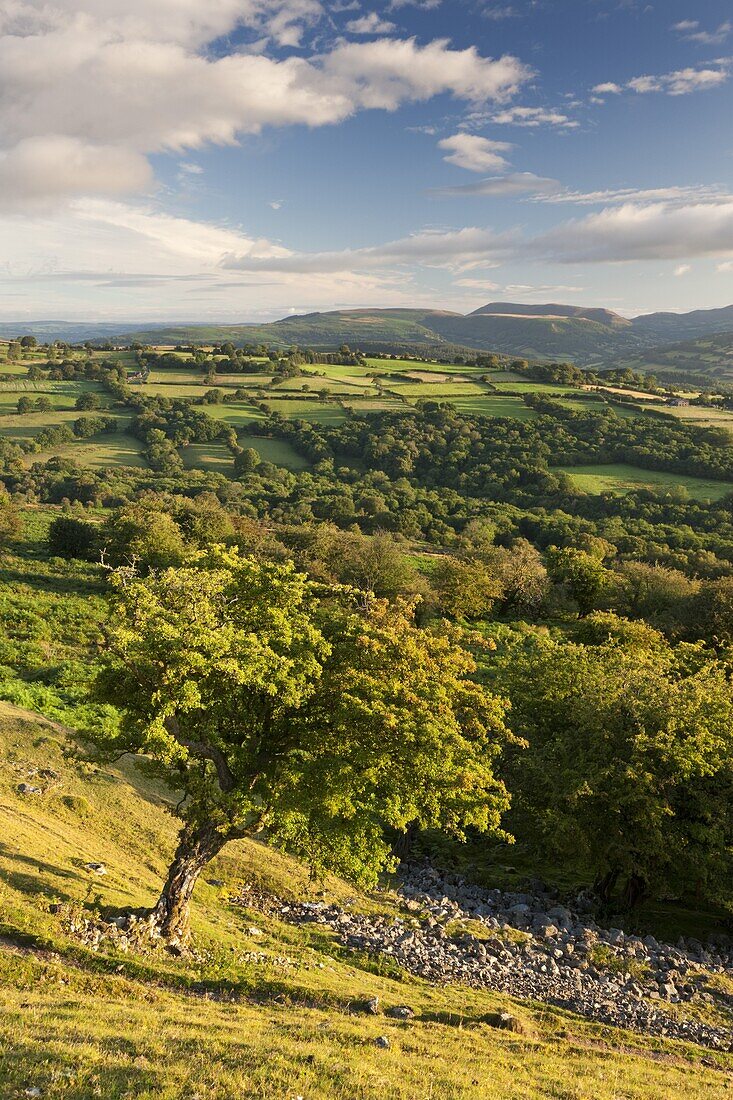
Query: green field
{"points": [[23, 426], [212, 457], [307, 409], [621, 478], [277, 451], [494, 404], [333, 385], [375, 404], [115, 449], [447, 391], [235, 413]]}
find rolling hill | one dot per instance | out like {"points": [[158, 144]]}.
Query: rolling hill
{"points": [[551, 331], [548, 331]]}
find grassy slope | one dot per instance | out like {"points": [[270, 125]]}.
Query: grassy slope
{"points": [[239, 1020]]}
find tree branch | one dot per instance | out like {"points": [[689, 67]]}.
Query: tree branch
{"points": [[224, 774]]}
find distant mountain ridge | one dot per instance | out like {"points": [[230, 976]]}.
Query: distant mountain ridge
{"points": [[512, 309], [543, 331]]}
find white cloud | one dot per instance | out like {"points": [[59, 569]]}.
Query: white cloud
{"points": [[137, 77], [682, 269], [533, 117], [609, 88], [679, 82], [513, 184], [450, 249], [423, 5], [476, 154], [370, 24], [654, 231], [477, 284], [99, 258]]}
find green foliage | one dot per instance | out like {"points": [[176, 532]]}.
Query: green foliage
{"points": [[143, 533], [270, 708], [582, 574], [73, 538], [465, 589], [10, 519], [628, 772], [87, 400]]}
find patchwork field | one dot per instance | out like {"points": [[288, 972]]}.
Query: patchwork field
{"points": [[620, 478], [321, 393]]}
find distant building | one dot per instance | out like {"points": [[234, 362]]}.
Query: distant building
{"points": [[139, 376], [679, 402]]}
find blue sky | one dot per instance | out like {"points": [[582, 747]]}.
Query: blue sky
{"points": [[246, 159]]}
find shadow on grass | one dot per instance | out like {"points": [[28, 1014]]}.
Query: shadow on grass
{"points": [[28, 1067]]}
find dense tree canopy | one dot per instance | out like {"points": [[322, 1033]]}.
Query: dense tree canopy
{"points": [[628, 773]]}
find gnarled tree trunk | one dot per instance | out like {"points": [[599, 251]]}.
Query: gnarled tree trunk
{"points": [[196, 847]]}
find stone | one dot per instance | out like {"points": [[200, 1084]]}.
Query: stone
{"points": [[27, 788], [545, 930], [505, 1021], [382, 1042], [372, 1006], [401, 1012], [95, 868]]}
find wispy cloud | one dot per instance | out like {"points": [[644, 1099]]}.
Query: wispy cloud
{"points": [[533, 117], [679, 82], [676, 196], [475, 153], [506, 11], [514, 184], [689, 30], [454, 249], [370, 24]]}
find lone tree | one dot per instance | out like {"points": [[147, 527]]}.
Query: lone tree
{"points": [[282, 708]]}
